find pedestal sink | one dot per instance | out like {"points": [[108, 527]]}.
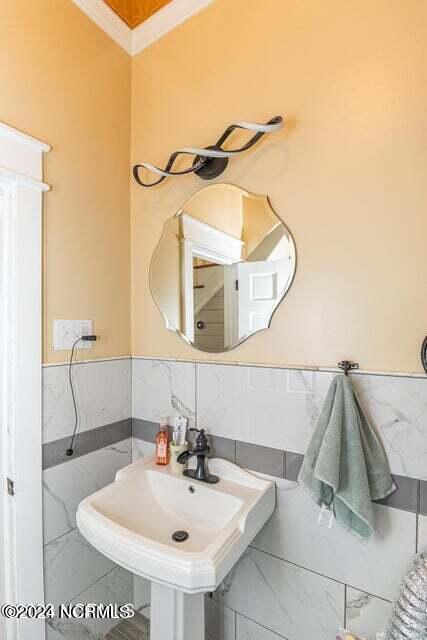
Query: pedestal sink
{"points": [[181, 534]]}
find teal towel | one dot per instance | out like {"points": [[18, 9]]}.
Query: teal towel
{"points": [[346, 467]]}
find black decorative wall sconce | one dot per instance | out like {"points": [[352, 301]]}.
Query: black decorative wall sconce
{"points": [[209, 163]]}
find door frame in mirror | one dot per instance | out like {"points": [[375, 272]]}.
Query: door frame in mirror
{"points": [[200, 242], [193, 244]]}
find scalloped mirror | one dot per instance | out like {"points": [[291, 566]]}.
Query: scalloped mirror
{"points": [[223, 265]]}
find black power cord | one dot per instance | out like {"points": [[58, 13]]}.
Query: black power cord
{"points": [[70, 450]]}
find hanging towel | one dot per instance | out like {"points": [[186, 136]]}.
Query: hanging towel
{"points": [[346, 467]]}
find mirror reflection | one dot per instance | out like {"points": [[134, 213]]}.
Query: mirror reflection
{"points": [[222, 266]]}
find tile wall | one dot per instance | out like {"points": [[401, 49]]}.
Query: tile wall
{"points": [[74, 570], [297, 580]]}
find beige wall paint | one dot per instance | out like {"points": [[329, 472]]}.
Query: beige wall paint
{"points": [[66, 82], [220, 207], [258, 222], [347, 174]]}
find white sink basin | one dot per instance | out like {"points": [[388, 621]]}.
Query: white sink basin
{"points": [[132, 521]]}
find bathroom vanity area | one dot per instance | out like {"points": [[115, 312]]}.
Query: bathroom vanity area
{"points": [[213, 319], [182, 535]]}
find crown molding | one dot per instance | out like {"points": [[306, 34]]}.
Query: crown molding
{"points": [[164, 21], [108, 21], [135, 40]]}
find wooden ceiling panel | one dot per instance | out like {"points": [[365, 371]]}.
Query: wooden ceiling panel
{"points": [[135, 12]]}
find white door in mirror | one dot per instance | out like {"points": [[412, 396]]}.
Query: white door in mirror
{"points": [[260, 288]]}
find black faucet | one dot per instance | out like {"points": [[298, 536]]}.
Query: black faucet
{"points": [[201, 450]]}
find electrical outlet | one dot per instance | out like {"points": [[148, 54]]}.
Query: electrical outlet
{"points": [[66, 332]]}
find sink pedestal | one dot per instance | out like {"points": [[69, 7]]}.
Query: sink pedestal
{"points": [[176, 615]]}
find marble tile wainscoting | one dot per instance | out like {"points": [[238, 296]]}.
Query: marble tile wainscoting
{"points": [[74, 570], [297, 580]]}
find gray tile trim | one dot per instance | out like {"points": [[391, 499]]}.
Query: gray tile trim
{"points": [[147, 431], [223, 448], [406, 496], [144, 430], [423, 497], [86, 442], [261, 459], [293, 463], [411, 494]]}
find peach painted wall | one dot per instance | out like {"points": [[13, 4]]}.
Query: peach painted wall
{"points": [[66, 82], [347, 174]]}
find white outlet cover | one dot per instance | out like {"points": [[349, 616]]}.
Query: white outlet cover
{"points": [[66, 332]]}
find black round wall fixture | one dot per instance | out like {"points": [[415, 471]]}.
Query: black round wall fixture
{"points": [[424, 354]]}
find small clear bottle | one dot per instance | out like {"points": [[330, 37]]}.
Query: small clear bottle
{"points": [[162, 445]]}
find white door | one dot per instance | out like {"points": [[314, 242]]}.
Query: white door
{"points": [[259, 290], [21, 539], [21, 518], [4, 572]]}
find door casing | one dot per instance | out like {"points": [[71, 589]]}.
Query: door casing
{"points": [[21, 542]]}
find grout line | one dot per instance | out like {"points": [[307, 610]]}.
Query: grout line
{"points": [[59, 537], [96, 582], [322, 575], [345, 607], [260, 625], [416, 533]]}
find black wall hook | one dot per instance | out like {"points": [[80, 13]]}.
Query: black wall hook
{"points": [[424, 354], [347, 366]]}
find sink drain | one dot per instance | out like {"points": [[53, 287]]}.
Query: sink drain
{"points": [[180, 536]]}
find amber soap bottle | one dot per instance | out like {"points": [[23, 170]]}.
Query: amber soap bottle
{"points": [[162, 445]]}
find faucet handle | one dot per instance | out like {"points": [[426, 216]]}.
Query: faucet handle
{"points": [[202, 439]]}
